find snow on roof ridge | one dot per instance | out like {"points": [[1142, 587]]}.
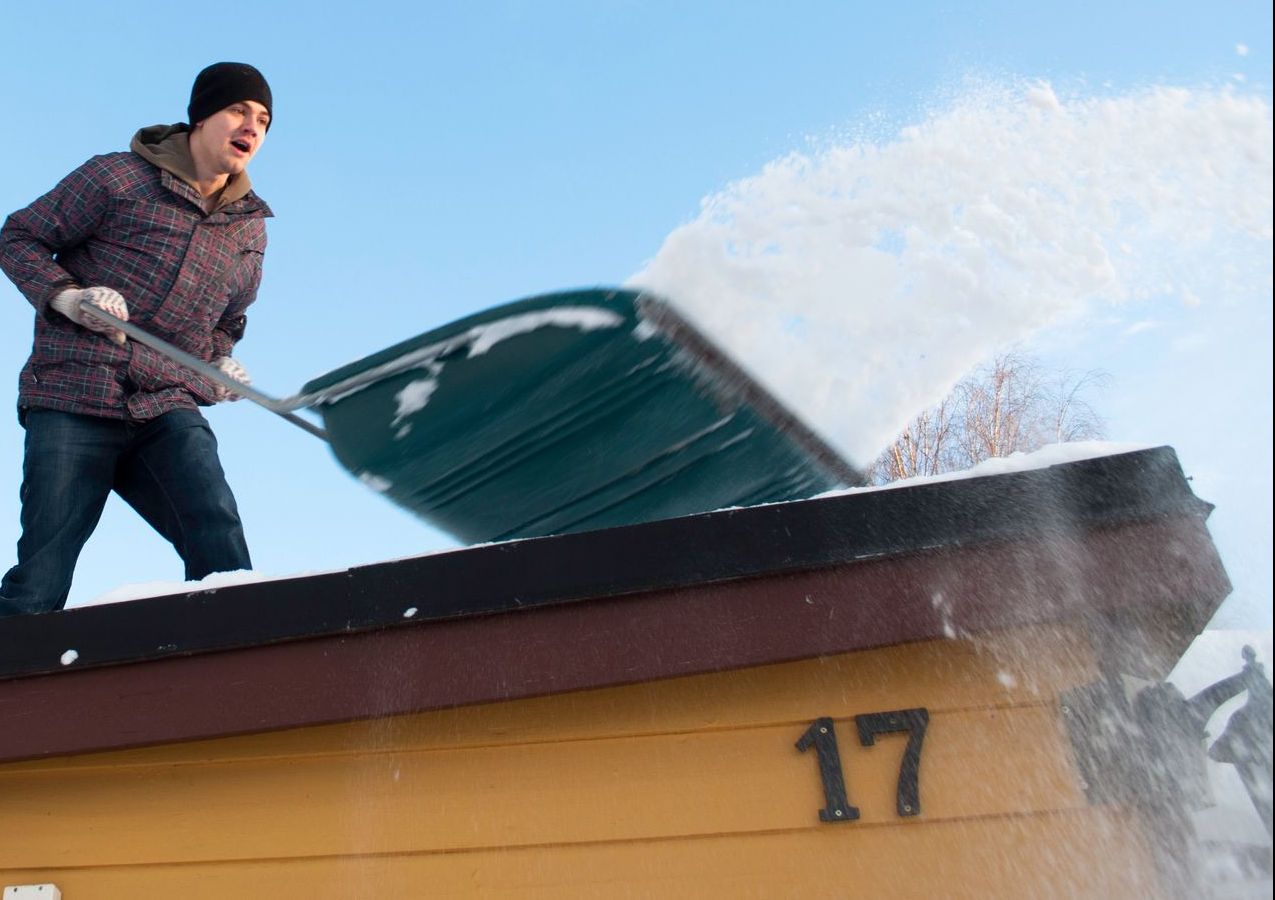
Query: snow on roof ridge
{"points": [[1049, 455]]}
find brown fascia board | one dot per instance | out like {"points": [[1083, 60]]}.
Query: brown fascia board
{"points": [[1120, 537]]}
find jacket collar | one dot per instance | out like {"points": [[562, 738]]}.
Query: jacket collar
{"points": [[168, 148]]}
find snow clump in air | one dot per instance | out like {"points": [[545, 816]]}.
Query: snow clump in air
{"points": [[861, 280]]}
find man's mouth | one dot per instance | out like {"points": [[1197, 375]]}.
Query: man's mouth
{"points": [[241, 146]]}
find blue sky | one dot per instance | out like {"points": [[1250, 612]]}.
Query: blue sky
{"points": [[431, 160]]}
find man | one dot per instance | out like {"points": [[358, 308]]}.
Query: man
{"points": [[169, 236]]}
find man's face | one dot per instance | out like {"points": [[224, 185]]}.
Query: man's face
{"points": [[231, 137]]}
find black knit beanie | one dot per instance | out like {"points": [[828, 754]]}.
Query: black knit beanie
{"points": [[224, 83]]}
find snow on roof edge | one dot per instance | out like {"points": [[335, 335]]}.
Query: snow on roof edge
{"points": [[1050, 455]]}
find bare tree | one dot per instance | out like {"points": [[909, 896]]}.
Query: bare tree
{"points": [[922, 449], [1009, 405]]}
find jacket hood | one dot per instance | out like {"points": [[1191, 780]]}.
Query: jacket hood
{"points": [[168, 146]]}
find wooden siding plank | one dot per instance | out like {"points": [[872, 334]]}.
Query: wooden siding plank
{"points": [[1025, 665], [975, 763], [1084, 853]]}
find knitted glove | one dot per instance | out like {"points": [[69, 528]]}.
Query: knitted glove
{"points": [[235, 370], [104, 298]]}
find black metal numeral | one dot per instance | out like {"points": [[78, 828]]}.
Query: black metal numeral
{"points": [[823, 738], [914, 722]]}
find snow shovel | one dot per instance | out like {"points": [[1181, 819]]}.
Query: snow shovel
{"points": [[558, 413]]}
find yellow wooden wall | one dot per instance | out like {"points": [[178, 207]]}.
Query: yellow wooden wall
{"points": [[683, 788]]}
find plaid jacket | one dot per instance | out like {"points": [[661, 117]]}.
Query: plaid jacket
{"points": [[124, 223]]}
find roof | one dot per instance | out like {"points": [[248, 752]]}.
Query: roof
{"points": [[1119, 537]]}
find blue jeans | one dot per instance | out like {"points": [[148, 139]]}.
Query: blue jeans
{"points": [[166, 468]]}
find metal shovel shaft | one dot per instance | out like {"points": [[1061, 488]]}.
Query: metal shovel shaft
{"points": [[282, 408]]}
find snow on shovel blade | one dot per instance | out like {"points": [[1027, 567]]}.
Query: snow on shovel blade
{"points": [[566, 412]]}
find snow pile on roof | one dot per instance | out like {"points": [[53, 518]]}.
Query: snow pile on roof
{"points": [[1049, 455], [170, 588]]}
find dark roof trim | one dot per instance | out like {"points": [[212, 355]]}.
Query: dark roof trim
{"points": [[1159, 580], [694, 550]]}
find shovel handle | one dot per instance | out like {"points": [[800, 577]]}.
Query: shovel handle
{"points": [[281, 408]]}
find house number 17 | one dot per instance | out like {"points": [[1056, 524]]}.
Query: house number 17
{"points": [[823, 738]]}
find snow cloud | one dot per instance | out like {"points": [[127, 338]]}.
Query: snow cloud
{"points": [[860, 281]]}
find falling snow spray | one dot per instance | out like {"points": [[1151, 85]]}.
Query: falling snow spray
{"points": [[860, 280]]}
